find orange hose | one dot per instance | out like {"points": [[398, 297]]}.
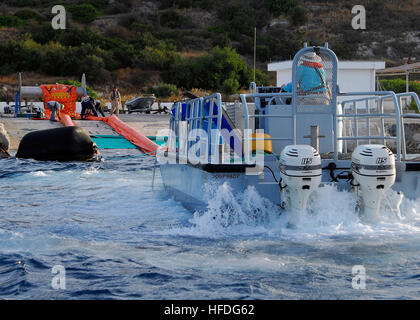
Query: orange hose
{"points": [[132, 135], [66, 120]]}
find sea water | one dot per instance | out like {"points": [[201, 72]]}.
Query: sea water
{"points": [[118, 237]]}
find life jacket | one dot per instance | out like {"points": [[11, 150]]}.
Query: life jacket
{"points": [[115, 94], [322, 87]]}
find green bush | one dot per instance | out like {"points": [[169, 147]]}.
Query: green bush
{"points": [[24, 55], [217, 66], [230, 86], [27, 14], [76, 36], [43, 33], [222, 69], [399, 85], [11, 21], [140, 27], [54, 60], [84, 13], [154, 53], [164, 90], [261, 78]]}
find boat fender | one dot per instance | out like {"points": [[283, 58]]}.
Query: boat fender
{"points": [[59, 144]]}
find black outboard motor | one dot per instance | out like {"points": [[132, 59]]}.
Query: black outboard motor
{"points": [[60, 144]]}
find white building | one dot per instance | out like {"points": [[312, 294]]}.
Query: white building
{"points": [[352, 75]]}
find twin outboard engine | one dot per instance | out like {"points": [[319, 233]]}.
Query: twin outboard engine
{"points": [[373, 169], [301, 172]]}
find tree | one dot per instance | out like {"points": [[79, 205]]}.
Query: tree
{"points": [[219, 65], [84, 13], [230, 86], [164, 90], [11, 21]]}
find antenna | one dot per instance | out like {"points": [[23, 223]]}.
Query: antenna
{"points": [[255, 48]]}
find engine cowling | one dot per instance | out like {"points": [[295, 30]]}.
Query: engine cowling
{"points": [[301, 172], [373, 169]]}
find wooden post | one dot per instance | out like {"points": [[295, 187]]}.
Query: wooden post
{"points": [[314, 137]]}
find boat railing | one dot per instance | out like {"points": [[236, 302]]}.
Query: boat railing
{"points": [[378, 97], [195, 115], [403, 116]]}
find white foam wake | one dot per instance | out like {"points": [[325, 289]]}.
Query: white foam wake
{"points": [[332, 212]]}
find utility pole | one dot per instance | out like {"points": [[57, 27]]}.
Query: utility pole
{"points": [[255, 48]]}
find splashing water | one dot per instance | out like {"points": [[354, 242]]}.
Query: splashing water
{"points": [[331, 212]]}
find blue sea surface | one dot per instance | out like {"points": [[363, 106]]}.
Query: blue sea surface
{"points": [[120, 238]]}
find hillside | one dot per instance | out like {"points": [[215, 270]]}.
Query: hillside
{"points": [[140, 44]]}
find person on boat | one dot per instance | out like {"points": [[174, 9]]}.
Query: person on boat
{"points": [[311, 81], [55, 108], [87, 106], [116, 102]]}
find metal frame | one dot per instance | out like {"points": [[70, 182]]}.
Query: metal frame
{"points": [[195, 118], [380, 97]]}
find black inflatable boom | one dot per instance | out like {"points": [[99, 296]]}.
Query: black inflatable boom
{"points": [[60, 144]]}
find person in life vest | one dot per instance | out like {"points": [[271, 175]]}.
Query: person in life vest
{"points": [[55, 108], [116, 102], [87, 106], [311, 81]]}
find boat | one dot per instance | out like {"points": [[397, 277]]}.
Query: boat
{"points": [[141, 104], [287, 145]]}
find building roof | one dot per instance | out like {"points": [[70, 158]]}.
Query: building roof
{"points": [[405, 68], [355, 65]]}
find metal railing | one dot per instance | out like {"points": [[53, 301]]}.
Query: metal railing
{"points": [[192, 115], [378, 97]]}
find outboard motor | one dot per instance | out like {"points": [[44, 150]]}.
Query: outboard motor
{"points": [[301, 172], [373, 169]]}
